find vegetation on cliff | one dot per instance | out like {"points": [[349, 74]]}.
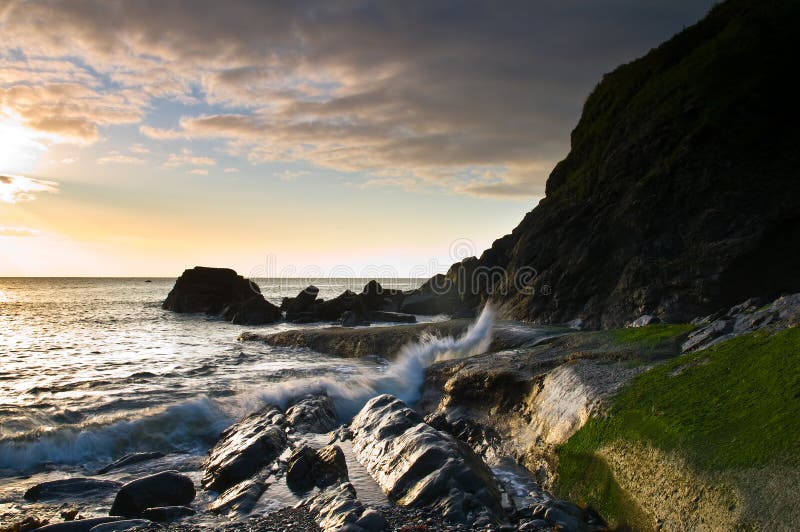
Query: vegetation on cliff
{"points": [[729, 409]]}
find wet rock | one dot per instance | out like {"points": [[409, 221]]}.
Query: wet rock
{"points": [[392, 317], [243, 449], [119, 526], [333, 309], [254, 311], [128, 459], [352, 318], [302, 302], [168, 488], [335, 507], [373, 521], [29, 522], [428, 304], [70, 487], [81, 525], [240, 498], [322, 468], [312, 413], [215, 291], [165, 514], [417, 465]]}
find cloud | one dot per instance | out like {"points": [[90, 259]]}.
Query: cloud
{"points": [[139, 148], [199, 171], [439, 92], [231, 170], [185, 157], [17, 231], [118, 158], [17, 189]]}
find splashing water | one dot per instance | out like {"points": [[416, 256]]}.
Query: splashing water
{"points": [[193, 424]]}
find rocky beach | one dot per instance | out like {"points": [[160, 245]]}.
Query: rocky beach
{"points": [[627, 358]]}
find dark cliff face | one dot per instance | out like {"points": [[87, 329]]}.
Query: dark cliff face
{"points": [[680, 194]]}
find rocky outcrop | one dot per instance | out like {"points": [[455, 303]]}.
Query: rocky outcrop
{"points": [[673, 200], [128, 459], [744, 318], [70, 488], [417, 465], [221, 292], [168, 488], [240, 498], [244, 448], [165, 514], [81, 525]]}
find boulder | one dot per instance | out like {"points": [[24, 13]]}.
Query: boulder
{"points": [[333, 309], [302, 302], [244, 448], [312, 413], [391, 317], [218, 291], [70, 488], [254, 311], [643, 321], [322, 468], [128, 459], [352, 318], [165, 514], [335, 507], [240, 498], [428, 303], [168, 488], [419, 466]]}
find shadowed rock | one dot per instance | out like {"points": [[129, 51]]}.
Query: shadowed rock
{"points": [[164, 514], [322, 468], [419, 466], [220, 292], [240, 498], [312, 413], [70, 487], [82, 525], [128, 459], [168, 488], [244, 448]]}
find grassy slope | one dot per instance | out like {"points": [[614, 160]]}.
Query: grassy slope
{"points": [[733, 406]]}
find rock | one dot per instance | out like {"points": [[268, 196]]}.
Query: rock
{"points": [[644, 320], [26, 523], [373, 521], [240, 498], [119, 526], [535, 524], [428, 304], [322, 468], [254, 311], [335, 507], [312, 413], [302, 302], [217, 291], [243, 449], [392, 317], [567, 516], [168, 488], [129, 459], [419, 466], [70, 488], [351, 318], [165, 514], [333, 309], [81, 525], [464, 313], [705, 336]]}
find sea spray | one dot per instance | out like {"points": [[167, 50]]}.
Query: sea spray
{"points": [[192, 425]]}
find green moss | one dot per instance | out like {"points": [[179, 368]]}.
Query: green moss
{"points": [[651, 335], [732, 406]]}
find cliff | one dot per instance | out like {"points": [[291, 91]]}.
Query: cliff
{"points": [[680, 193]]}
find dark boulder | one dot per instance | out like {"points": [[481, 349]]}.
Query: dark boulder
{"points": [[302, 302], [70, 488], [333, 309], [244, 448], [429, 303], [168, 488], [309, 468], [128, 459], [352, 318], [220, 291], [419, 466], [312, 413], [239, 499], [383, 316], [124, 525]]}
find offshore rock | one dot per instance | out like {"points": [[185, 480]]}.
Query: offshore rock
{"points": [[168, 488]]}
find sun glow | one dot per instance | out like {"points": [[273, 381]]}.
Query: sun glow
{"points": [[19, 147]]}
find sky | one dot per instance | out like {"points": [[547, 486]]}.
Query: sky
{"points": [[336, 138]]}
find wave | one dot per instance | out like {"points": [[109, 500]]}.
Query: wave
{"points": [[194, 424]]}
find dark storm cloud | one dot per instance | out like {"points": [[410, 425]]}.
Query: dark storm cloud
{"points": [[424, 88]]}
